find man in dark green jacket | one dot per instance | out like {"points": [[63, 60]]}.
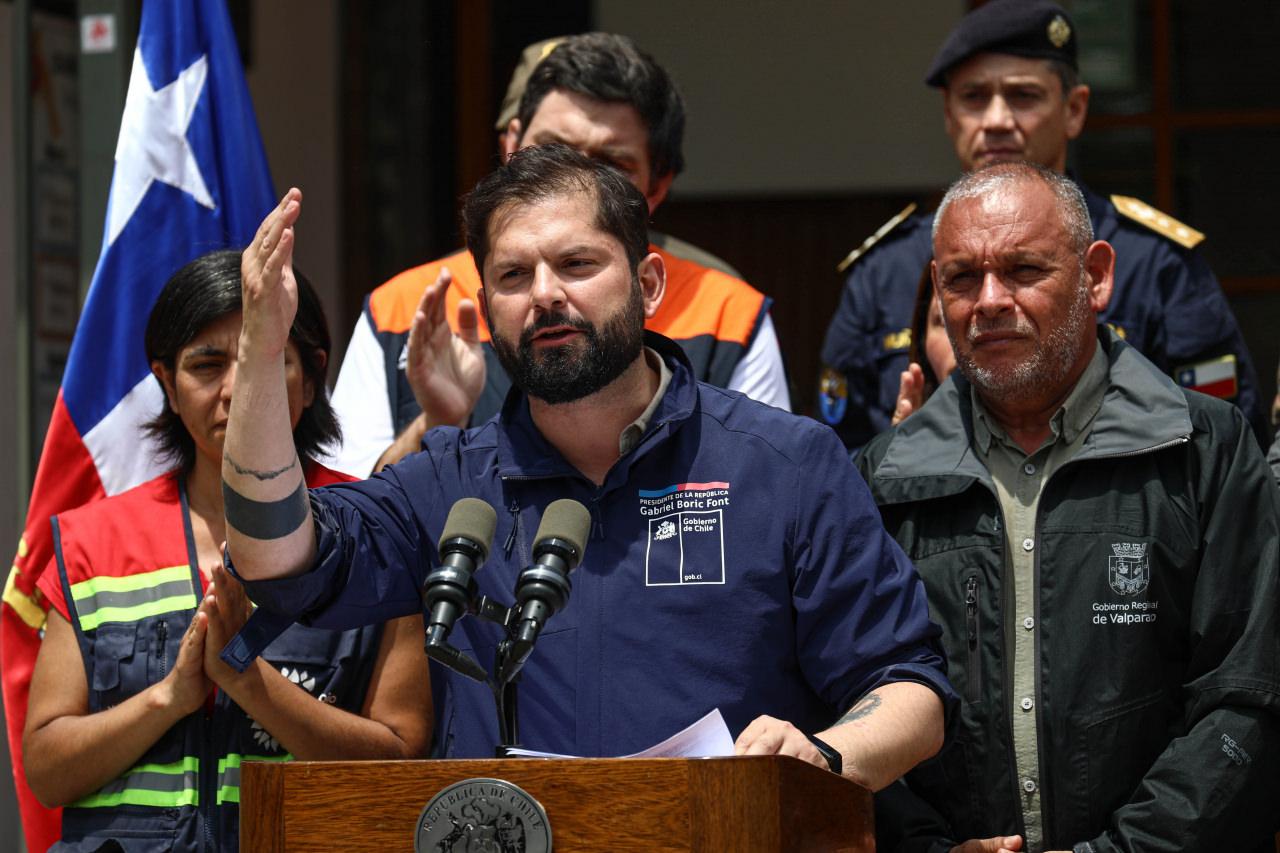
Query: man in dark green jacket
{"points": [[1100, 548]]}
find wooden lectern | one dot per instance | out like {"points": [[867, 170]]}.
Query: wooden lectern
{"points": [[709, 805]]}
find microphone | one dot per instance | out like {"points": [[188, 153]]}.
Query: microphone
{"points": [[464, 546], [543, 588]]}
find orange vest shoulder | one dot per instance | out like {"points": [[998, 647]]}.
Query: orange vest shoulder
{"points": [[705, 301], [393, 304]]}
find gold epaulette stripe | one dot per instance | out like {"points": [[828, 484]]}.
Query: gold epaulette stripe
{"points": [[1161, 223], [876, 237]]}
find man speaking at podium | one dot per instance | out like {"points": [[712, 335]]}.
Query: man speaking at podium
{"points": [[734, 560]]}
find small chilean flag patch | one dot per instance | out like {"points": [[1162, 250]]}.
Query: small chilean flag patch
{"points": [[1217, 377]]}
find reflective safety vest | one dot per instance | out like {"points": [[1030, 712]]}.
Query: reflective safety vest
{"points": [[713, 316], [131, 584]]}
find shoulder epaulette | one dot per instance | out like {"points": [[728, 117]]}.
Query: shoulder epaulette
{"points": [[1161, 223], [876, 237]]}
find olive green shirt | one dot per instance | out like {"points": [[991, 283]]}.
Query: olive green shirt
{"points": [[1019, 480]]}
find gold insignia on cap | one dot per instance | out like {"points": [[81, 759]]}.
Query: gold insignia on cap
{"points": [[1161, 223], [1059, 31], [875, 238]]}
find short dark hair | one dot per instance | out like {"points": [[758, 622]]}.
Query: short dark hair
{"points": [[541, 172], [203, 292], [610, 67], [1066, 74], [920, 312]]}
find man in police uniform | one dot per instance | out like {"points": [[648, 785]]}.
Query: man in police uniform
{"points": [[1010, 89]]}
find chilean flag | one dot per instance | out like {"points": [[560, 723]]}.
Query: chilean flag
{"points": [[190, 177]]}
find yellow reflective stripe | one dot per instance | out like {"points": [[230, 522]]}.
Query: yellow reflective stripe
{"points": [[133, 597], [160, 785], [187, 601], [188, 764], [26, 606], [141, 797], [128, 583], [229, 774]]}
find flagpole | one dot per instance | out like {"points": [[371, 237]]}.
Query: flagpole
{"points": [[25, 469]]}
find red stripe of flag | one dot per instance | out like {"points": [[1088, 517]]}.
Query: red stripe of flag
{"points": [[66, 478]]}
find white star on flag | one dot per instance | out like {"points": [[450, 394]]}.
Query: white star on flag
{"points": [[153, 142]]}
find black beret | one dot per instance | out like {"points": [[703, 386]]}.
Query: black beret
{"points": [[1035, 28]]}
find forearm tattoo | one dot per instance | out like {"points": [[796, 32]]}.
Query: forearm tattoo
{"points": [[256, 474], [266, 519], [862, 708]]}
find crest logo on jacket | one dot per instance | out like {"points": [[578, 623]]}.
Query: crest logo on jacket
{"points": [[1129, 571], [686, 533]]}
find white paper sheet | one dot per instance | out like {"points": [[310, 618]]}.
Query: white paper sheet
{"points": [[707, 738]]}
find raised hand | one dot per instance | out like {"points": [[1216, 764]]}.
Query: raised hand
{"points": [[266, 273], [445, 370], [910, 393]]}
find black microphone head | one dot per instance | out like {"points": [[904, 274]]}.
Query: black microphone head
{"points": [[472, 519], [569, 521]]}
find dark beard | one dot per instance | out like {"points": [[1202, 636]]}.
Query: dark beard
{"points": [[567, 373]]}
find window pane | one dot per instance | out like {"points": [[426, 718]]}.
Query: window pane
{"points": [[1115, 54], [1225, 55], [1227, 182], [1117, 160]]}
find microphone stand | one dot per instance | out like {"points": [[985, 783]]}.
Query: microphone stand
{"points": [[505, 687], [509, 658]]}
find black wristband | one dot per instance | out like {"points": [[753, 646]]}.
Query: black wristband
{"points": [[834, 761], [266, 519]]}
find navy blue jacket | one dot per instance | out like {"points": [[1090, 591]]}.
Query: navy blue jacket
{"points": [[1166, 303], [736, 561]]}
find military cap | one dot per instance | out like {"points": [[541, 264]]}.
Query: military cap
{"points": [[529, 59], [1034, 28]]}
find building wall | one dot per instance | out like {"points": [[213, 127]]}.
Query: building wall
{"points": [[294, 70], [800, 98]]}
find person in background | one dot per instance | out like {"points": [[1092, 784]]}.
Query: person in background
{"points": [[135, 725], [930, 358], [602, 95], [1101, 548], [1011, 92]]}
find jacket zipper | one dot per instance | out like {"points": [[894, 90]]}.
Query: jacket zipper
{"points": [[973, 673], [1173, 442], [207, 776], [514, 509], [162, 640]]}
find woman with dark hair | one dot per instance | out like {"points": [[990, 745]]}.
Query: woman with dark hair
{"points": [[931, 357], [135, 725]]}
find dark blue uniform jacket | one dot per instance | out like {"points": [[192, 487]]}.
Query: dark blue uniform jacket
{"points": [[736, 561]]}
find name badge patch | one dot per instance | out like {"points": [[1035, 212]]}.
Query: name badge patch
{"points": [[685, 533]]}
